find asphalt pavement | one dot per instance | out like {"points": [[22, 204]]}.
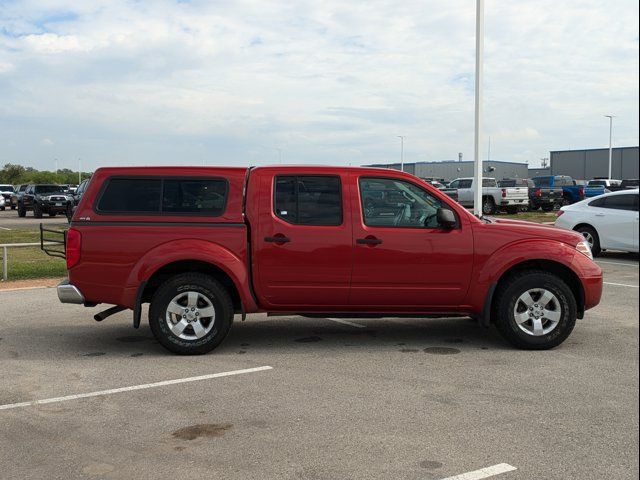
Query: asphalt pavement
{"points": [[10, 220], [363, 399]]}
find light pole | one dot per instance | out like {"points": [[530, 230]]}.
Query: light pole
{"points": [[477, 145], [79, 172], [610, 117], [401, 137]]}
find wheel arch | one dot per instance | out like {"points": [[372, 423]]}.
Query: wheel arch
{"points": [[556, 268]]}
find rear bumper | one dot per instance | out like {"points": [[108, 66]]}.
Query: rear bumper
{"points": [[68, 293]]}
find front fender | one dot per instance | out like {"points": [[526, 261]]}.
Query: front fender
{"points": [[193, 249], [493, 267]]}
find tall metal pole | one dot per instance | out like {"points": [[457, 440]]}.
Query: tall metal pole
{"points": [[401, 137], [477, 146], [79, 172], [610, 142]]}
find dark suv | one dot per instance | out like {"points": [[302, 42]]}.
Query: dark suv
{"points": [[49, 199]]}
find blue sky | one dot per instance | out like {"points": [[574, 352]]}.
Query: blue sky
{"points": [[230, 83]]}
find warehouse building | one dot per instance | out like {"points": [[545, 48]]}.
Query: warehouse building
{"points": [[592, 163], [452, 169]]}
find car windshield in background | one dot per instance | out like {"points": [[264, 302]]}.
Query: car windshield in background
{"points": [[6, 188], [597, 183], [48, 189], [541, 181]]}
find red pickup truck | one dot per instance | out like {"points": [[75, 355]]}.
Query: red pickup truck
{"points": [[201, 244]]}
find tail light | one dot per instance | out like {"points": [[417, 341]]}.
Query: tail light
{"points": [[74, 240], [581, 191], [538, 192], [559, 213], [504, 192]]}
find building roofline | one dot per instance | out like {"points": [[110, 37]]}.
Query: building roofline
{"points": [[440, 162], [591, 149]]}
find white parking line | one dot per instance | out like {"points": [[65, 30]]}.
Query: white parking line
{"points": [[484, 472], [620, 285], [134, 387], [4, 228], [618, 263], [346, 322]]}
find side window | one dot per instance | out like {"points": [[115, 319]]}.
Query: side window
{"points": [[489, 182], [465, 183], [130, 195], [202, 196], [454, 184], [308, 199], [388, 202], [620, 202]]}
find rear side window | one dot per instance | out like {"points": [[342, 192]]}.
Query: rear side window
{"points": [[541, 181], [170, 196], [489, 182], [617, 202], [308, 200]]}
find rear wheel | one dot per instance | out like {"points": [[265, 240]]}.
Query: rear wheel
{"points": [[535, 310], [52, 214], [592, 238], [512, 210], [190, 314], [547, 207], [488, 207]]}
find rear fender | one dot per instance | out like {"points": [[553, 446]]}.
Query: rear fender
{"points": [[193, 249]]}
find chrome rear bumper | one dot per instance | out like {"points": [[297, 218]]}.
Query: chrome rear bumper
{"points": [[68, 293]]}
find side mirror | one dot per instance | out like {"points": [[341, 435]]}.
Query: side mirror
{"points": [[446, 218]]}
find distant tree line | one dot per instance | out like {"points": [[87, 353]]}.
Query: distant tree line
{"points": [[17, 174]]}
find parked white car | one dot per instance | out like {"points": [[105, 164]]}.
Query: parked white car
{"points": [[607, 222]]}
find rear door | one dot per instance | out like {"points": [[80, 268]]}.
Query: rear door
{"points": [[302, 248], [402, 259], [615, 219]]}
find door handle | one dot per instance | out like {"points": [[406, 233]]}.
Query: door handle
{"points": [[277, 239], [369, 241], [599, 214]]}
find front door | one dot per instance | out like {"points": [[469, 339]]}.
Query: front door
{"points": [[303, 244], [402, 258]]}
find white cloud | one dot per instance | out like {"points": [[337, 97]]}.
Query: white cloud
{"points": [[165, 82]]}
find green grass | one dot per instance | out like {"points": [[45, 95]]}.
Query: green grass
{"points": [[538, 216], [29, 262]]}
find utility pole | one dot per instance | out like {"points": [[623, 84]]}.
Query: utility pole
{"points": [[401, 137], [477, 147], [610, 142]]}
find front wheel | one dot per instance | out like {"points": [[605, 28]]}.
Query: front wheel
{"points": [[22, 211], [190, 314], [535, 310], [37, 211]]}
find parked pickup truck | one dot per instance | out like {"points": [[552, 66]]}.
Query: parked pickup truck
{"points": [[614, 185], [201, 244], [494, 198], [572, 190], [545, 197]]}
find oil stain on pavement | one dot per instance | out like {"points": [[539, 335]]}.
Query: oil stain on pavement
{"points": [[203, 430]]}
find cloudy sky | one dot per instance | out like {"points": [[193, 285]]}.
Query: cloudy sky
{"points": [[146, 82]]}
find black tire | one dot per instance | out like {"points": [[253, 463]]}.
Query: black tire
{"points": [[13, 207], [512, 210], [52, 214], [206, 287], [69, 213], [547, 208], [508, 296], [488, 206], [2, 209], [37, 211], [22, 212], [592, 237]]}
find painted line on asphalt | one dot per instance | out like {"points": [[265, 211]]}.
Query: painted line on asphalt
{"points": [[618, 263], [484, 472], [132, 388], [4, 228], [22, 288], [346, 322], [620, 285]]}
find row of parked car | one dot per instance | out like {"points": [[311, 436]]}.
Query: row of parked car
{"points": [[41, 199], [547, 193]]}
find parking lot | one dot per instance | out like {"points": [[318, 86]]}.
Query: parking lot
{"points": [[366, 398], [9, 220]]}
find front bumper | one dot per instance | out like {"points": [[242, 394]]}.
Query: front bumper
{"points": [[68, 293]]}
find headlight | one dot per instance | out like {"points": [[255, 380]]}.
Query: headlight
{"points": [[584, 248]]}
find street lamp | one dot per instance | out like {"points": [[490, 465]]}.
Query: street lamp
{"points": [[477, 144], [610, 117], [401, 137]]}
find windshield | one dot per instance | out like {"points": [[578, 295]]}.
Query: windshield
{"points": [[48, 189], [597, 183], [541, 181], [6, 188]]}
